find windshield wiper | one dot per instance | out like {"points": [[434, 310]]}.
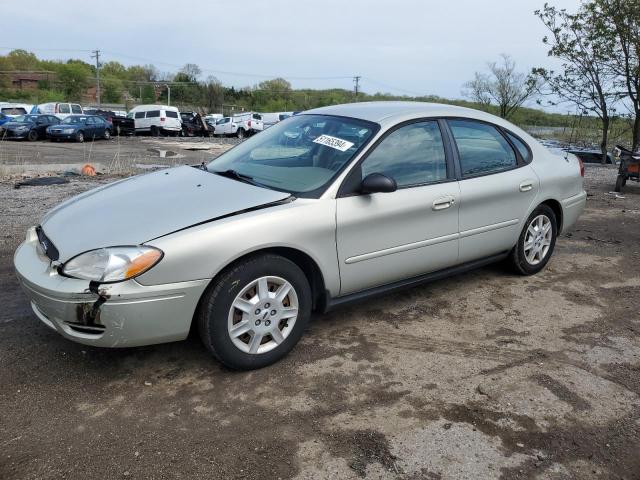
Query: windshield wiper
{"points": [[234, 174]]}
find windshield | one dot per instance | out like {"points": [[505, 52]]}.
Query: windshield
{"points": [[298, 155], [25, 118], [74, 120]]}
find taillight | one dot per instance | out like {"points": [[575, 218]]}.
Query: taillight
{"points": [[581, 166], [249, 123], [162, 119]]}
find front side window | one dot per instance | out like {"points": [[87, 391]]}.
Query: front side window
{"points": [[171, 114], [64, 108], [411, 155], [139, 114], [76, 109], [481, 147], [300, 155]]}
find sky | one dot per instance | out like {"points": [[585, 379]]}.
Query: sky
{"points": [[412, 47]]}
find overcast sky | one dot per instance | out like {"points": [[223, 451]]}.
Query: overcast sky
{"points": [[401, 46]]}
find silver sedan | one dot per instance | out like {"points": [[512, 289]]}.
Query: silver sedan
{"points": [[322, 209]]}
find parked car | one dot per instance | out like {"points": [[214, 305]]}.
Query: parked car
{"points": [[31, 127], [122, 125], [16, 109], [225, 126], [156, 119], [247, 123], [80, 128], [270, 119], [330, 207], [60, 109], [193, 125], [212, 118], [4, 118]]}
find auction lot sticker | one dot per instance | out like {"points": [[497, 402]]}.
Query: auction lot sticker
{"points": [[333, 142]]}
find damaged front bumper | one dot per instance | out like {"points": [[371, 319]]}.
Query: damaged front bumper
{"points": [[124, 314]]}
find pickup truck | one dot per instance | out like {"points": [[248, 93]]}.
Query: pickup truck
{"points": [[241, 125], [121, 125]]}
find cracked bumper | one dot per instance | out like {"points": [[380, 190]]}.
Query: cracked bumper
{"points": [[132, 315]]}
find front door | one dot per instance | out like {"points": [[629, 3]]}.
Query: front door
{"points": [[386, 237], [497, 189]]}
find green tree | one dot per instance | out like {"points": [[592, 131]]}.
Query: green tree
{"points": [[23, 60], [112, 90], [579, 40]]}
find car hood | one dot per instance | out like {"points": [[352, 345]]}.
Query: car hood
{"points": [[138, 209]]}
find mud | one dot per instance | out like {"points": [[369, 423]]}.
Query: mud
{"points": [[481, 376]]}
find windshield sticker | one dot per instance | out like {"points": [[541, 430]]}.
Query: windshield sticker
{"points": [[333, 142]]}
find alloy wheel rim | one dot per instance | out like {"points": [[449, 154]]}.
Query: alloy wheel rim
{"points": [[537, 240], [263, 315]]}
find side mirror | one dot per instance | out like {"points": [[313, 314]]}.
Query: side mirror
{"points": [[377, 182]]}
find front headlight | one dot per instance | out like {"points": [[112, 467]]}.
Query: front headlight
{"points": [[113, 264]]}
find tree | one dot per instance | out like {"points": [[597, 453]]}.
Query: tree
{"points": [[621, 21], [23, 60], [189, 73], [74, 78], [502, 86], [112, 90], [213, 94], [580, 42]]}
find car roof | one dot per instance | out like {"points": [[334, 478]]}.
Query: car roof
{"points": [[391, 112]]}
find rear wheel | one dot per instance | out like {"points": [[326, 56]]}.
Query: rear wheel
{"points": [[80, 137], [32, 135], [240, 133], [621, 181], [256, 312], [155, 132], [536, 242]]}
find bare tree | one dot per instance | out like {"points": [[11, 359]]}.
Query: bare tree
{"points": [[502, 86], [578, 40]]}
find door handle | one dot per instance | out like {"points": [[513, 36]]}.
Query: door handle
{"points": [[442, 203], [526, 186]]}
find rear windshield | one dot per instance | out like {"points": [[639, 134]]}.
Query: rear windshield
{"points": [[14, 111], [172, 114]]}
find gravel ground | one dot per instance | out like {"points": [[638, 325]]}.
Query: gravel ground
{"points": [[484, 375]]}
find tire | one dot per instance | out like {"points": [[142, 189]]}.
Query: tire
{"points": [[107, 134], [238, 285], [118, 131], [32, 136], [80, 137], [533, 250], [154, 131], [240, 133], [621, 181]]}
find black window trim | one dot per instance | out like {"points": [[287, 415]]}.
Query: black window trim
{"points": [[520, 162], [350, 184]]}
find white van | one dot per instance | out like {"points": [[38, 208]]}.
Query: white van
{"points": [[156, 119], [248, 123], [60, 109], [15, 109], [270, 119]]}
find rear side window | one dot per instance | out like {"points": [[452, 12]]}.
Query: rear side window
{"points": [[153, 113], [522, 148], [139, 114], [257, 116], [481, 147], [411, 155], [76, 109], [64, 108], [171, 114]]}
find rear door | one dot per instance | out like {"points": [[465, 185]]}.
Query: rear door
{"points": [[387, 237], [497, 187]]}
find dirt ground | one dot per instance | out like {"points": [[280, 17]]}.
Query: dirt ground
{"points": [[484, 375]]}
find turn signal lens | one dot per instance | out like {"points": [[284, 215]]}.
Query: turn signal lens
{"points": [[113, 264]]}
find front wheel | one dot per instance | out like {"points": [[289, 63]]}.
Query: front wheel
{"points": [[536, 242], [621, 181], [107, 134], [256, 312], [80, 137], [32, 136]]}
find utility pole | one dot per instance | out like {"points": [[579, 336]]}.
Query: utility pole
{"points": [[356, 85], [96, 55]]}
